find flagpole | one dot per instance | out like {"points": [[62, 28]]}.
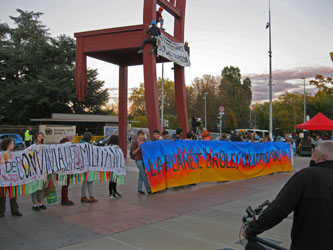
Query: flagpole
{"points": [[270, 75]]}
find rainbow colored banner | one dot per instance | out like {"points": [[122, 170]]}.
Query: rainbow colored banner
{"points": [[182, 162]]}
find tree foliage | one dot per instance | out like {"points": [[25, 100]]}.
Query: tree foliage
{"points": [[225, 91], [288, 109], [37, 73]]}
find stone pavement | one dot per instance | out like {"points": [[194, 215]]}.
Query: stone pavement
{"points": [[204, 216]]}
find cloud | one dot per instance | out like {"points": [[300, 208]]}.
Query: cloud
{"points": [[285, 80]]}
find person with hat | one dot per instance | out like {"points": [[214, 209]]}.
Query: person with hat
{"points": [[159, 18], [153, 32]]}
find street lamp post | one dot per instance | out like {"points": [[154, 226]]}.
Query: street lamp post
{"points": [[304, 100], [269, 25], [205, 97]]}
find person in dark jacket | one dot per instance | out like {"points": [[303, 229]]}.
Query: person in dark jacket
{"points": [[113, 192], [153, 32], [309, 194]]}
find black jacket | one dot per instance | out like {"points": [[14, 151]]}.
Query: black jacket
{"points": [[309, 193], [153, 31]]}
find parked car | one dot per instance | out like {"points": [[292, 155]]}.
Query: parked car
{"points": [[19, 143], [103, 142]]}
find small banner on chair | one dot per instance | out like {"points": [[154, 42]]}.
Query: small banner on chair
{"points": [[182, 162], [173, 51], [38, 161]]}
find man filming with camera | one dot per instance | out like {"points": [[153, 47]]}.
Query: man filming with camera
{"points": [[309, 194], [196, 122]]}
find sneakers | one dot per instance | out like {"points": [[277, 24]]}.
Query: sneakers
{"points": [[42, 206], [36, 208], [141, 192], [67, 203], [92, 199], [119, 195], [84, 199], [17, 213], [113, 196]]}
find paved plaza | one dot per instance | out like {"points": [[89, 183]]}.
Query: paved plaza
{"points": [[203, 216]]}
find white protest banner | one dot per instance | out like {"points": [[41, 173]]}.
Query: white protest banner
{"points": [[38, 161], [173, 51]]}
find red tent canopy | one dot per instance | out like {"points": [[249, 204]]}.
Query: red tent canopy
{"points": [[318, 122]]}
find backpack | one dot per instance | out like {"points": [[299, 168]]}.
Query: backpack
{"points": [[132, 156]]}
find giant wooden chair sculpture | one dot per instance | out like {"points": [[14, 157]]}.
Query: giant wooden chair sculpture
{"points": [[119, 46]]}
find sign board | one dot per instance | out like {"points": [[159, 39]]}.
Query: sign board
{"points": [[108, 130], [54, 133], [173, 51], [221, 110]]}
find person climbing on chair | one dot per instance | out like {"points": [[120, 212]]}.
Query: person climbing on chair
{"points": [[154, 32], [159, 18]]}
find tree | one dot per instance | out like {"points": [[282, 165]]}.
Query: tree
{"points": [[37, 73], [137, 108], [236, 96]]}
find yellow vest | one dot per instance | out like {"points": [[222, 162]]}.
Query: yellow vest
{"points": [[27, 136]]}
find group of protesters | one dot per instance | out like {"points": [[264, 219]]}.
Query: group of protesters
{"points": [[40, 189]]}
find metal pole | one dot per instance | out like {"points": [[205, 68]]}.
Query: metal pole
{"points": [[304, 101], [205, 110], [162, 99], [270, 77], [220, 126]]}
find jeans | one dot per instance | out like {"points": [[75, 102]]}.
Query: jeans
{"points": [[38, 196], [142, 176], [85, 185]]}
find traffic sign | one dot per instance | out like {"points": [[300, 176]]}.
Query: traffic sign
{"points": [[221, 109]]}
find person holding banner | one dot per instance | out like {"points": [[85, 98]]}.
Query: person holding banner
{"points": [[113, 193], [154, 32], [39, 186], [89, 177], [8, 144], [156, 135], [69, 138], [136, 151]]}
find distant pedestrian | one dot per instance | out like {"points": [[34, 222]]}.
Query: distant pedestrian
{"points": [[8, 144], [189, 136], [179, 134], [267, 138], [113, 193], [165, 135], [205, 134], [89, 177], [156, 135], [28, 137], [136, 151]]}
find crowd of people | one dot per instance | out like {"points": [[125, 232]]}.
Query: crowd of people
{"points": [[40, 189]]}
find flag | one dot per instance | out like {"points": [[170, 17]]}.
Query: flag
{"points": [[331, 54], [267, 25]]}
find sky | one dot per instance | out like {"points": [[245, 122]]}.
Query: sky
{"points": [[220, 33]]}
